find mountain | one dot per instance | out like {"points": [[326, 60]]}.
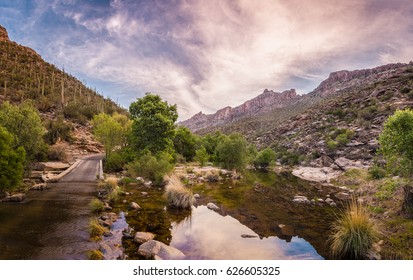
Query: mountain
{"points": [[265, 102], [343, 116]]}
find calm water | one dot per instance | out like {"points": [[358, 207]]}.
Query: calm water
{"points": [[50, 224], [256, 220]]}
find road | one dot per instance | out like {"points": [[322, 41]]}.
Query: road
{"points": [[52, 224]]}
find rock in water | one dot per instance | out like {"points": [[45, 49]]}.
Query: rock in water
{"points": [[159, 251], [142, 237], [212, 206], [149, 249]]}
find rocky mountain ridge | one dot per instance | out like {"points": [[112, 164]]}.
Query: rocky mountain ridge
{"points": [[266, 101], [289, 101]]}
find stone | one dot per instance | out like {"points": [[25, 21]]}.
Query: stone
{"points": [[197, 196], [149, 249], [200, 179], [169, 253], [17, 197], [315, 174], [39, 187], [142, 237], [287, 230], [134, 206], [301, 199], [212, 206], [346, 164], [343, 196], [147, 184], [140, 180], [144, 193], [329, 200]]}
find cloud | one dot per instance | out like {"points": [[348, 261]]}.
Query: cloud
{"points": [[203, 55]]}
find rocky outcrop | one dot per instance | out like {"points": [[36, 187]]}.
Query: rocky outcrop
{"points": [[261, 104], [4, 37], [322, 175]]}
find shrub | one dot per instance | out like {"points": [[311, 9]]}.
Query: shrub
{"points": [[151, 167], [111, 183], [57, 129], [96, 205], [232, 151], [177, 194], [353, 233], [114, 162], [95, 255], [405, 90], [377, 172], [264, 158], [57, 153], [96, 229], [113, 196], [201, 156], [332, 145]]}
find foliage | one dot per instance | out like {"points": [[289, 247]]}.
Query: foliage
{"points": [[177, 194], [210, 142], [153, 124], [201, 156], [111, 131], [377, 172], [94, 255], [353, 233], [396, 142], [114, 162], [185, 143], [24, 123], [57, 153], [387, 189], [264, 158], [110, 184], [58, 129], [96, 205], [11, 162], [96, 230], [113, 196], [151, 167], [232, 151]]}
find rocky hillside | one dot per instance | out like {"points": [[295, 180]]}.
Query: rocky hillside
{"points": [[342, 117], [265, 102], [65, 104]]}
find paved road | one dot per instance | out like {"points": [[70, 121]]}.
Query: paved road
{"points": [[86, 170], [52, 224]]}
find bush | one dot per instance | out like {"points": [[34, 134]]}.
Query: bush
{"points": [[57, 153], [110, 184], [96, 230], [232, 151], [56, 130], [177, 194], [96, 205], [264, 158], [114, 162], [353, 233], [151, 167], [332, 145], [113, 196], [377, 172], [201, 156]]}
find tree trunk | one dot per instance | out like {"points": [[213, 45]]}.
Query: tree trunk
{"points": [[408, 201]]}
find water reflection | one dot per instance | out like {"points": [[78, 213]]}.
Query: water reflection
{"points": [[208, 235]]}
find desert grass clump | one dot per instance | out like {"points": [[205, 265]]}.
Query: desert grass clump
{"points": [[96, 230], [177, 194], [111, 183], [95, 255], [96, 205], [113, 196], [353, 233]]}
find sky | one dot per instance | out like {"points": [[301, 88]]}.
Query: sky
{"points": [[207, 54]]}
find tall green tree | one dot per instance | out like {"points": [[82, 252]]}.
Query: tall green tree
{"points": [[232, 151], [153, 124], [396, 145], [264, 158], [11, 162], [111, 131], [24, 123], [185, 143]]}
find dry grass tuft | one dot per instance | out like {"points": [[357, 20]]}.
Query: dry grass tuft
{"points": [[177, 194], [353, 233], [96, 205], [96, 230]]}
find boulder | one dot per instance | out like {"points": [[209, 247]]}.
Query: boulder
{"points": [[212, 206], [142, 237], [343, 196], [315, 174], [17, 197], [346, 164], [149, 249], [148, 184], [134, 206], [39, 187], [197, 195], [301, 199], [169, 253]]}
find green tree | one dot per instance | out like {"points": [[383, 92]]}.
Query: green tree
{"points": [[153, 124], [264, 158], [111, 131], [11, 162], [396, 145], [232, 151], [201, 156], [24, 123], [185, 143]]}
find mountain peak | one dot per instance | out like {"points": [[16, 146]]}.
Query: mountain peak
{"points": [[4, 36]]}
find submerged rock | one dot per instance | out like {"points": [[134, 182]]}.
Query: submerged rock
{"points": [[17, 197], [142, 237], [212, 206], [159, 251]]}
